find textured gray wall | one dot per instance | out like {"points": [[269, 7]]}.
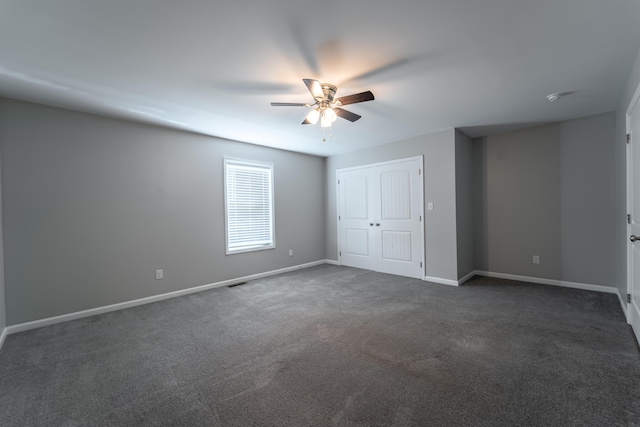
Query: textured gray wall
{"points": [[93, 206], [549, 191], [620, 153], [438, 150], [465, 208]]}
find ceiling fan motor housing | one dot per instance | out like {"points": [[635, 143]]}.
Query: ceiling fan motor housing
{"points": [[329, 92]]}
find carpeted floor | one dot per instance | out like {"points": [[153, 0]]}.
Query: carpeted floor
{"points": [[334, 346]]}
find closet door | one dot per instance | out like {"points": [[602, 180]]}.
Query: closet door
{"points": [[355, 199], [398, 211], [380, 217]]}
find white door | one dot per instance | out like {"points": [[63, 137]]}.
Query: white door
{"points": [[633, 189], [355, 201], [380, 217], [398, 214]]}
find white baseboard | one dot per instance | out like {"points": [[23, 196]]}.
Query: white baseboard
{"points": [[21, 327], [562, 283], [440, 280], [3, 335], [467, 277], [332, 262]]}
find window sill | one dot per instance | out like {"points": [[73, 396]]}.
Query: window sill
{"points": [[250, 249]]}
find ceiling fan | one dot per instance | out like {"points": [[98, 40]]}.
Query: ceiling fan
{"points": [[327, 107]]}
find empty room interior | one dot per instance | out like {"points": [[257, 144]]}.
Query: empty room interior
{"points": [[298, 213]]}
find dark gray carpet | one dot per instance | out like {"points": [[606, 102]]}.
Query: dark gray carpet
{"points": [[334, 346]]}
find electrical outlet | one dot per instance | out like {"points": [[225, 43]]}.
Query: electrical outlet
{"points": [[290, 252], [159, 274], [536, 259]]}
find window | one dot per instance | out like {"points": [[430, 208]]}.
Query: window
{"points": [[248, 205]]}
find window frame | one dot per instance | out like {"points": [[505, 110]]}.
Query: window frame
{"points": [[258, 165]]}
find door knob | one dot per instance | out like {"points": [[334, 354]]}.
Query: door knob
{"points": [[633, 238]]}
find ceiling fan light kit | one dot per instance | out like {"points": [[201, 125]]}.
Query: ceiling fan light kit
{"points": [[327, 117], [313, 116], [326, 106]]}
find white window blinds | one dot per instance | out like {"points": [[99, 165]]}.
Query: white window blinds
{"points": [[248, 206]]}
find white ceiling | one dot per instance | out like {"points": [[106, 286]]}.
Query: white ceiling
{"points": [[213, 67]]}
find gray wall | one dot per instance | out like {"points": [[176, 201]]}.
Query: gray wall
{"points": [[465, 205], [3, 319], [520, 203], [438, 150], [548, 191], [587, 202], [620, 153], [93, 206]]}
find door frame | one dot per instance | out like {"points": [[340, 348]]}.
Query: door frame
{"points": [[421, 202], [629, 165]]}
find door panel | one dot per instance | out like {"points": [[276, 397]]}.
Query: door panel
{"points": [[398, 193], [395, 195], [354, 198], [387, 236], [634, 227], [396, 246], [357, 242]]}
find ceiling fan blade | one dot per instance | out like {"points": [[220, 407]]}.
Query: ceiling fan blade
{"points": [[314, 87], [355, 98], [306, 122], [289, 104], [352, 117]]}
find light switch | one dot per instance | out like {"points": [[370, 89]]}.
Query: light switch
{"points": [[429, 206]]}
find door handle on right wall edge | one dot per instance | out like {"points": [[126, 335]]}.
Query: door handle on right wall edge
{"points": [[633, 238]]}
